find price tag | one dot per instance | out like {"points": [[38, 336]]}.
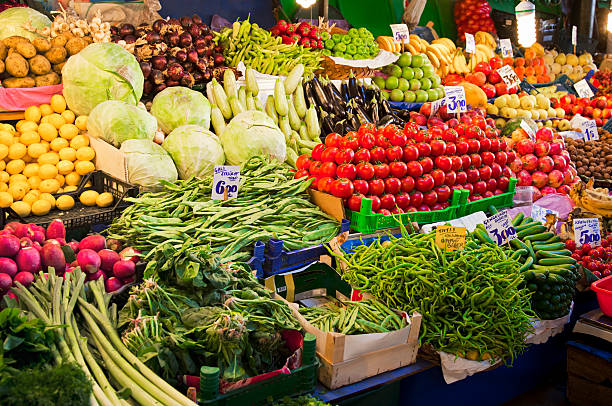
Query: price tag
{"points": [[500, 228], [586, 231], [508, 75], [436, 104], [455, 99], [574, 35], [450, 238], [506, 47], [470, 44], [589, 129], [539, 213], [528, 130], [583, 89], [400, 33], [225, 182]]}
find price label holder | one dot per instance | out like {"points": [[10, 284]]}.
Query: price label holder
{"points": [[528, 130], [450, 238], [500, 228], [435, 105], [400, 33], [225, 182], [523, 196], [470, 44], [583, 89], [509, 76], [574, 35], [539, 213], [506, 47], [586, 231], [455, 99]]}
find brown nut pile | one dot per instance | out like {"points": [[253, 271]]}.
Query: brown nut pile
{"points": [[592, 158]]}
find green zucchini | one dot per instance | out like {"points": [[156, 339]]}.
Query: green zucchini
{"points": [[517, 219], [531, 231], [539, 237], [549, 246]]}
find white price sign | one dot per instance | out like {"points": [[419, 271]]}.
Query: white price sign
{"points": [[506, 47], [583, 89], [508, 75], [225, 182], [528, 129], [588, 128], [436, 104], [539, 213], [400, 32], [500, 228], [574, 35], [586, 231], [455, 99], [470, 44]]}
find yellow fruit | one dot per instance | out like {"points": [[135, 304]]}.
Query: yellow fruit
{"points": [[73, 179], [7, 127], [6, 199], [65, 167], [2, 165], [104, 199], [85, 154], [37, 149], [15, 166], [4, 150], [31, 170], [49, 158], [68, 131], [88, 184], [60, 179], [70, 188], [88, 197], [4, 187], [58, 103], [81, 122], [33, 113], [21, 208], [56, 120], [68, 116], [58, 143], [41, 207], [18, 190], [84, 167], [79, 141], [6, 138], [47, 171], [34, 182], [29, 137], [67, 154], [18, 150], [48, 197], [28, 126], [49, 186], [47, 132], [17, 178], [45, 109], [64, 202], [4, 177], [31, 196]]}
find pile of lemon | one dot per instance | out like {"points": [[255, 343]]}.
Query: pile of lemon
{"points": [[46, 153]]}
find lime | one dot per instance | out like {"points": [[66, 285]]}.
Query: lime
{"points": [[417, 61], [397, 95], [428, 71], [432, 94], [415, 84], [421, 96], [379, 81], [418, 73], [405, 59], [403, 85], [409, 96], [425, 83], [391, 83], [394, 70], [435, 81], [407, 73], [385, 95]]}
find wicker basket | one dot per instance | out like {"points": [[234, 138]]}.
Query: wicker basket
{"points": [[341, 72]]}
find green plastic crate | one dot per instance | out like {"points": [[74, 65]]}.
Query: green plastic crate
{"points": [[499, 201], [300, 380], [366, 222]]}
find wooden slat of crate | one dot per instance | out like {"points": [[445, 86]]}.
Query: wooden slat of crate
{"points": [[11, 115], [588, 366], [581, 391]]}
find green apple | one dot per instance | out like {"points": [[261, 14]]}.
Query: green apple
{"points": [[417, 61], [409, 96], [432, 94], [385, 95], [396, 71], [379, 81], [397, 95], [418, 73], [425, 83], [440, 91], [391, 83], [415, 84], [407, 73], [403, 85], [428, 71], [435, 81], [405, 59], [421, 96]]}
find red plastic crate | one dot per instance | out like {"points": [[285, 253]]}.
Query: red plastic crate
{"points": [[603, 289]]}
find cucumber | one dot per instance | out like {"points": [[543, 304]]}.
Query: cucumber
{"points": [[493, 209], [530, 231], [217, 120], [517, 244], [293, 79], [229, 83], [539, 237], [294, 119], [527, 219], [517, 254], [280, 99], [556, 261], [549, 246], [299, 101], [242, 96], [517, 219], [270, 110], [526, 265], [553, 239], [527, 225], [530, 249], [550, 254], [251, 82], [221, 100]]}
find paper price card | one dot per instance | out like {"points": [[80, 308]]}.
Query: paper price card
{"points": [[583, 89], [539, 213], [225, 182], [574, 35], [509, 76], [500, 228], [400, 32], [528, 130], [586, 231], [436, 104], [589, 129], [506, 47], [450, 238], [470, 44], [455, 99]]}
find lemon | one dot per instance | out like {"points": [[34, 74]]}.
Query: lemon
{"points": [[85, 154], [79, 141], [47, 132], [89, 197], [58, 103], [60, 179], [67, 154], [41, 207], [27, 159], [84, 167], [37, 149], [28, 126], [6, 199], [32, 113], [31, 170], [70, 188], [81, 122], [45, 109], [4, 177], [58, 144], [4, 150], [64, 202], [6, 138], [68, 131], [19, 124], [65, 167], [104, 199], [31, 197], [49, 158], [4, 187], [18, 190], [47, 171], [60, 190], [73, 179], [7, 127], [18, 151], [15, 166], [48, 197], [34, 182], [21, 208], [49, 186], [68, 116], [17, 178], [56, 120], [2, 165], [29, 137]]}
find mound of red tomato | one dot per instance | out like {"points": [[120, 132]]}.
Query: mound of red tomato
{"points": [[598, 260]]}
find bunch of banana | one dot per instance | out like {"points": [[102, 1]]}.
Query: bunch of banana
{"points": [[482, 53], [459, 64], [416, 45], [388, 44], [441, 53], [485, 38], [595, 200]]}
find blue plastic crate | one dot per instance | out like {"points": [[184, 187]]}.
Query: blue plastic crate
{"points": [[348, 245]]}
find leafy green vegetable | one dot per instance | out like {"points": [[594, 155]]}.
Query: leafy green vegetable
{"points": [[116, 121], [12, 22], [176, 106]]}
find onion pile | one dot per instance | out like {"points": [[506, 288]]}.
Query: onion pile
{"points": [[173, 52]]}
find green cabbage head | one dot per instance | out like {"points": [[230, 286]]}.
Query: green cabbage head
{"points": [[176, 106], [115, 122], [148, 164], [12, 21], [195, 151]]}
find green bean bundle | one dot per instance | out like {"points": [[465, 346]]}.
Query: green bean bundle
{"points": [[470, 300]]}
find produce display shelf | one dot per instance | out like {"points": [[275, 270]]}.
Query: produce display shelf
{"points": [[500, 201], [563, 83]]}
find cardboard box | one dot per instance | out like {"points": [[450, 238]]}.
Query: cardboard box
{"points": [[330, 204], [109, 159]]}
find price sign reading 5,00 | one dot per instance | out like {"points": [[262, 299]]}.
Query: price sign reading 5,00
{"points": [[225, 182], [455, 99], [586, 231], [500, 228]]}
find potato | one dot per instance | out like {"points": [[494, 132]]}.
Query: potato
{"points": [[68, 35], [75, 45], [57, 68], [56, 54], [3, 51], [41, 44], [19, 82], [39, 65], [48, 79], [89, 39], [59, 41], [13, 40], [16, 65], [26, 49]]}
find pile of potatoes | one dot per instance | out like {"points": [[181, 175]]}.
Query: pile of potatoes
{"points": [[25, 63]]}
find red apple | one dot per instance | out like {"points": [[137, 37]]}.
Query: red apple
{"points": [[530, 162], [559, 162], [524, 178], [541, 148], [489, 90], [567, 177], [546, 190], [556, 148], [516, 165], [565, 189], [524, 147]]}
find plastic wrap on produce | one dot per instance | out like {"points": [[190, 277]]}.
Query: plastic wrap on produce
{"points": [[264, 82], [545, 329], [455, 368], [383, 58]]}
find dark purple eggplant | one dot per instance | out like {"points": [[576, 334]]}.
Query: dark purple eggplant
{"points": [[156, 76], [385, 107], [374, 110], [344, 91], [145, 67], [353, 91], [175, 71], [327, 125], [388, 119]]}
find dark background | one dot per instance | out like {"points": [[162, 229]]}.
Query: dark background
{"points": [[261, 10]]}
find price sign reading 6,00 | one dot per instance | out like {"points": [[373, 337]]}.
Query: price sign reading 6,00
{"points": [[455, 99], [586, 231], [225, 182], [500, 228]]}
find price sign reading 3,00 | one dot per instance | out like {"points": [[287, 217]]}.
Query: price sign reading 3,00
{"points": [[586, 231], [500, 228], [455, 99], [225, 182]]}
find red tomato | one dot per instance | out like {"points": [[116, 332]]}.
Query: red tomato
{"points": [[367, 128], [381, 171], [313, 185], [424, 149], [348, 171], [329, 155], [332, 139], [466, 161], [302, 173], [485, 172], [444, 193], [461, 177], [485, 144], [378, 155], [394, 153], [457, 163], [411, 153], [392, 185], [398, 139], [491, 185], [438, 147], [361, 186], [365, 171], [425, 183], [375, 202], [344, 156], [451, 148], [430, 198], [354, 202], [387, 201], [443, 162], [480, 187], [473, 175], [473, 145], [377, 187], [402, 199], [450, 178], [476, 160], [450, 135], [366, 140], [415, 169], [384, 212], [349, 141], [480, 122], [390, 130], [438, 177], [317, 151], [324, 184], [342, 188], [327, 169], [416, 198], [398, 169], [407, 184], [303, 162], [315, 168], [410, 130], [462, 147], [382, 141], [427, 164], [362, 155]]}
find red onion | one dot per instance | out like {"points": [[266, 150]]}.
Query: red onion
{"points": [[174, 21], [187, 80], [153, 37], [130, 39], [145, 67], [170, 82], [196, 19], [181, 55], [197, 76], [202, 64], [159, 88], [194, 30], [186, 21], [172, 38], [199, 41], [159, 62], [185, 40], [156, 76], [219, 59], [189, 66], [175, 71], [192, 56], [159, 24], [147, 87], [207, 75], [126, 29]]}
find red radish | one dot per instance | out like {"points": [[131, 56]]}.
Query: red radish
{"points": [[11, 295], [88, 260], [56, 229], [74, 245], [93, 242], [112, 284], [130, 253], [53, 257], [9, 245], [124, 268], [94, 276], [8, 266], [108, 258], [28, 260], [25, 242], [5, 282], [70, 270], [25, 278], [113, 244]]}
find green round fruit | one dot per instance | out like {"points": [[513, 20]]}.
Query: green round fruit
{"points": [[415, 84], [428, 71], [409, 96], [379, 81], [391, 83], [396, 71], [407, 73], [405, 59], [397, 95], [440, 91], [385, 95], [421, 96], [417, 61], [403, 85], [435, 81], [418, 73], [425, 83], [432, 94]]}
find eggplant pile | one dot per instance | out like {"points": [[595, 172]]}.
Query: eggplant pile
{"points": [[173, 52], [346, 109]]}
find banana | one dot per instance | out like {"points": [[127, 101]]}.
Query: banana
{"points": [[424, 44], [413, 50], [486, 50], [433, 59], [587, 203], [437, 52], [599, 204], [442, 51]]}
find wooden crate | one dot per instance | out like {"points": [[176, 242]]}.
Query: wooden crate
{"points": [[589, 375]]}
